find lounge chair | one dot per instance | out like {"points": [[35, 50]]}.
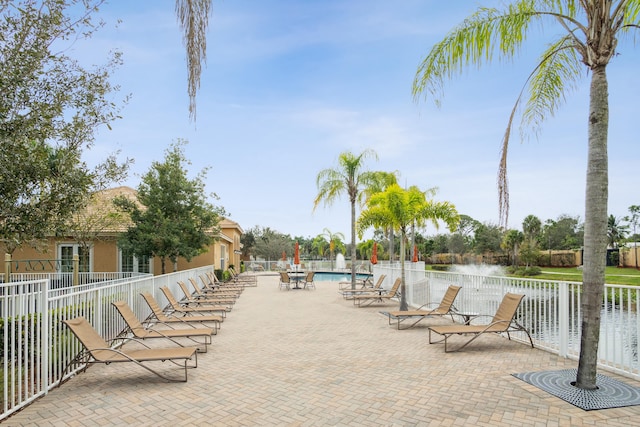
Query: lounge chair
{"points": [[186, 307], [196, 299], [348, 293], [307, 282], [502, 322], [143, 332], [183, 319], [381, 296], [214, 283], [209, 286], [97, 350], [285, 281], [366, 283], [201, 293], [444, 308], [242, 279]]}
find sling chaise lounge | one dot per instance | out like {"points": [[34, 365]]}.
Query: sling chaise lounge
{"points": [[184, 308], [444, 308], [380, 296], [208, 299], [144, 332], [200, 292], [183, 319], [97, 350], [503, 322], [215, 284], [349, 293]]}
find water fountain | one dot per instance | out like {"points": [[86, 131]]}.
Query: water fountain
{"points": [[340, 263]]}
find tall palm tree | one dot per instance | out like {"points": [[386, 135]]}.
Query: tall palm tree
{"points": [[588, 36], [193, 17], [351, 178], [398, 209], [335, 240]]}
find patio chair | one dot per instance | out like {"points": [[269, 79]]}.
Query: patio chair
{"points": [[348, 293], [502, 322], [97, 350], [143, 332], [186, 307], [444, 308], [196, 299], [242, 279], [184, 319], [285, 281], [307, 282], [366, 283], [201, 293], [381, 296]]}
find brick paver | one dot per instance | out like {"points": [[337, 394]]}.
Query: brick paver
{"points": [[310, 358]]}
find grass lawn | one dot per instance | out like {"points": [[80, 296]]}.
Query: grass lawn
{"points": [[613, 275]]}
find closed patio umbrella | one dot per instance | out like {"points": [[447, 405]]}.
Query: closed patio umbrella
{"points": [[415, 253], [374, 253], [296, 254]]}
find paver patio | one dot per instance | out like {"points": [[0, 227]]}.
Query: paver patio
{"points": [[310, 358]]}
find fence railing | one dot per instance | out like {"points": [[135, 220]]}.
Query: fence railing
{"points": [[35, 347], [551, 310]]}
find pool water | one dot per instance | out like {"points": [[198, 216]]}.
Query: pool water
{"points": [[332, 276]]}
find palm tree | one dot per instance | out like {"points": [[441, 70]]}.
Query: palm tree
{"points": [[615, 231], [349, 177], [398, 209], [589, 36], [193, 17], [335, 241]]}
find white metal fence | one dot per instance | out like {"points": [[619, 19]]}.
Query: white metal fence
{"points": [[550, 311], [36, 347]]}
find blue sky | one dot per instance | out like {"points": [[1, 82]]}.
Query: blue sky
{"points": [[290, 84]]}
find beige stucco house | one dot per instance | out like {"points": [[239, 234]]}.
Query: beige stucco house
{"points": [[95, 242]]}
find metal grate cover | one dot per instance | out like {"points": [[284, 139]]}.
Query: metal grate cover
{"points": [[610, 393]]}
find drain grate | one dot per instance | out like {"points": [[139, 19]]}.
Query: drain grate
{"points": [[610, 393]]}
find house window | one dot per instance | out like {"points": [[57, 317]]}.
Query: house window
{"points": [[133, 264], [66, 253], [223, 257]]}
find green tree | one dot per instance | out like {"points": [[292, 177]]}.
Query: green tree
{"points": [[174, 219], [398, 209], [50, 110], [270, 243], [588, 36], [511, 242], [349, 177], [488, 238], [616, 231], [334, 241]]}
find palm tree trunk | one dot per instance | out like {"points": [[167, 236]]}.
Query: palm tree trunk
{"points": [[353, 244], [595, 229], [403, 290]]}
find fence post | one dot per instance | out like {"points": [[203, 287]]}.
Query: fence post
{"points": [[563, 319], [7, 268], [76, 270]]}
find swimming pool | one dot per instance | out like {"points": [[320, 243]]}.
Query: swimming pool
{"points": [[337, 276]]}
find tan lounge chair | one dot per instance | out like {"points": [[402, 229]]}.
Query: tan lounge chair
{"points": [[183, 319], [348, 293], [242, 279], [97, 350], [215, 284], [184, 308], [367, 283], [207, 299], [380, 296], [444, 308], [143, 332], [503, 322], [207, 289]]}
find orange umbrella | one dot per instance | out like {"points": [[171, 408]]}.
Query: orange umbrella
{"points": [[284, 256], [296, 254], [415, 253], [374, 253]]}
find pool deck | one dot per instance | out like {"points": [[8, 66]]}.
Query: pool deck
{"points": [[310, 358]]}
